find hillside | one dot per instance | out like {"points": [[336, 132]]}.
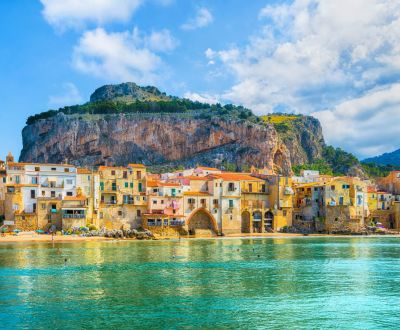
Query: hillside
{"points": [[391, 158], [127, 123]]}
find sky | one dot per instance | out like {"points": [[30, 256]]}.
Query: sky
{"points": [[336, 60]]}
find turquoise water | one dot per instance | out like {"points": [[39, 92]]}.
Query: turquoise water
{"points": [[305, 282]]}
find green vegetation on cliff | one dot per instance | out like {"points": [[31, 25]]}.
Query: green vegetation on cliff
{"points": [[377, 170], [172, 106], [334, 161]]}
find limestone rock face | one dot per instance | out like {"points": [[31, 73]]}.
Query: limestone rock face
{"points": [[91, 140]]}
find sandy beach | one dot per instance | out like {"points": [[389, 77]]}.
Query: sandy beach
{"points": [[34, 237]]}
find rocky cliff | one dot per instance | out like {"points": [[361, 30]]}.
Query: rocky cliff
{"points": [[185, 138]]}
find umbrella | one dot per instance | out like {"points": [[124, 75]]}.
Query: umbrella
{"points": [[40, 231], [16, 230]]}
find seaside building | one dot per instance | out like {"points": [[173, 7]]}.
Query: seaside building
{"points": [[164, 214], [123, 197], [33, 187]]}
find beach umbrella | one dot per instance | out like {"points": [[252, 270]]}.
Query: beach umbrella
{"points": [[40, 231]]}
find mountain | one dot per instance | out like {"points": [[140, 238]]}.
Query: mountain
{"points": [[391, 158], [128, 123]]}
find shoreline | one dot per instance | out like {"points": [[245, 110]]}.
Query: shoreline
{"points": [[72, 238]]}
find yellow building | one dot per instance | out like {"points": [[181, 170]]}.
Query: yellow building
{"points": [[122, 196]]}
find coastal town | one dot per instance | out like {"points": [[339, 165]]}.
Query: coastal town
{"points": [[200, 201]]}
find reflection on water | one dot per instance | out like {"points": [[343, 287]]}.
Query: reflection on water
{"points": [[303, 282]]}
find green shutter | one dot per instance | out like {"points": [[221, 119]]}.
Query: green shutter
{"points": [[126, 185], [140, 187]]}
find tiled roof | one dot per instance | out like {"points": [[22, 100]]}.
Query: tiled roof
{"points": [[208, 168], [232, 176], [84, 171], [196, 193], [136, 165]]}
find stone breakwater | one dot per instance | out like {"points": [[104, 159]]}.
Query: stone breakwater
{"points": [[129, 233]]}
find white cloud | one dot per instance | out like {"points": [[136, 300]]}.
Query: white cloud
{"points": [[70, 96], [367, 124], [64, 14], [118, 56], [203, 98], [161, 41], [311, 55], [203, 18]]}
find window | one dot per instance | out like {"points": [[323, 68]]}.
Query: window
{"points": [[33, 194], [140, 187], [37, 169], [126, 199], [250, 187], [43, 205], [53, 208], [215, 201], [69, 193], [131, 185], [120, 213], [154, 201], [231, 186], [138, 213], [17, 179], [138, 175], [53, 194], [263, 188], [112, 172], [43, 193], [191, 201], [126, 184], [102, 186], [34, 180], [203, 201], [125, 175], [230, 203], [155, 190], [284, 213], [34, 207], [114, 186], [332, 187], [53, 169], [341, 200], [66, 170], [69, 181]]}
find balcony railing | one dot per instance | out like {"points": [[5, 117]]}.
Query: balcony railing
{"points": [[74, 216]]}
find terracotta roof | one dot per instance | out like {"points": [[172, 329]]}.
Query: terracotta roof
{"points": [[208, 168], [196, 193], [84, 171], [136, 165], [232, 176], [193, 177], [162, 184]]}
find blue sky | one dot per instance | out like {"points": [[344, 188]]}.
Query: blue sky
{"points": [[338, 60]]}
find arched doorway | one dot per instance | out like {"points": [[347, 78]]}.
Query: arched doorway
{"points": [[245, 222], [202, 223], [257, 222], [269, 221]]}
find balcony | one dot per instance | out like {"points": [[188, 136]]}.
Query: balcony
{"points": [[177, 223], [74, 216]]}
